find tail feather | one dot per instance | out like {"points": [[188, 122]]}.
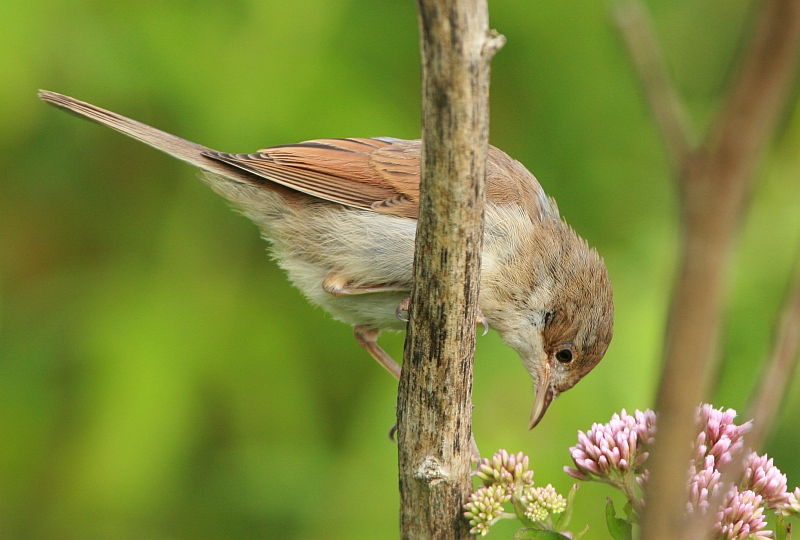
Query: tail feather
{"points": [[175, 146]]}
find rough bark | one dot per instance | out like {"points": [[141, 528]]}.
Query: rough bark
{"points": [[434, 405]]}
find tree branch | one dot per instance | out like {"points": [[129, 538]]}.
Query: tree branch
{"points": [[636, 28], [717, 180], [434, 406], [779, 370]]}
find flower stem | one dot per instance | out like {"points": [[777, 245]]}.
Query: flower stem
{"points": [[520, 510]]}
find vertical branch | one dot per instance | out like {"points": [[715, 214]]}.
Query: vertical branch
{"points": [[715, 181], [779, 371], [434, 405], [636, 28]]}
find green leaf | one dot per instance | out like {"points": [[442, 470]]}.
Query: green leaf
{"points": [[620, 529], [563, 520], [581, 534], [519, 509], [783, 530], [630, 513], [538, 534]]}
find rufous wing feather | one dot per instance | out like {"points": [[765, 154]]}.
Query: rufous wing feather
{"points": [[381, 175]]}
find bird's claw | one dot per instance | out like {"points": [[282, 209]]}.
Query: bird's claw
{"points": [[402, 310], [475, 456], [482, 321]]}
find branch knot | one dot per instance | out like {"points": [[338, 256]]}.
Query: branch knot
{"points": [[431, 472], [493, 43]]}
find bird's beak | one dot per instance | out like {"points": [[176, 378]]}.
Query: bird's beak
{"points": [[544, 396]]}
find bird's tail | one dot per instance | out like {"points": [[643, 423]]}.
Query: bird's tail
{"points": [[175, 146]]}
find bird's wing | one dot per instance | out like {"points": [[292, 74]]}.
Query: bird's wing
{"points": [[381, 175], [509, 182]]}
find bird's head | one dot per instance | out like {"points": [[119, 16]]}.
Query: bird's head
{"points": [[560, 313]]}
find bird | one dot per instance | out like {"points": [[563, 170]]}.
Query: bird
{"points": [[341, 216]]}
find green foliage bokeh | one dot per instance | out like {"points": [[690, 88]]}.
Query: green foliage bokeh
{"points": [[160, 378]]}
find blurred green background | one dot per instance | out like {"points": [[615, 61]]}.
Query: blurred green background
{"points": [[159, 377]]}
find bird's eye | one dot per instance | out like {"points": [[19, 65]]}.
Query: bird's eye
{"points": [[564, 356]]}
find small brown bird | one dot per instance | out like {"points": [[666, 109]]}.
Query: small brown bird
{"points": [[341, 216]]}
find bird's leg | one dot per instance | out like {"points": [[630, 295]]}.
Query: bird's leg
{"points": [[337, 285], [402, 313], [368, 338]]}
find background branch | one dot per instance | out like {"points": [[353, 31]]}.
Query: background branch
{"points": [[636, 28], [715, 180], [434, 405], [779, 370]]}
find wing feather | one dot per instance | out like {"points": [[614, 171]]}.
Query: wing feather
{"points": [[381, 175]]}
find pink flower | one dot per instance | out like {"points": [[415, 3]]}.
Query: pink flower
{"points": [[792, 507], [610, 452], [765, 479], [510, 470], [719, 436], [714, 447], [703, 483], [615, 453], [741, 517]]}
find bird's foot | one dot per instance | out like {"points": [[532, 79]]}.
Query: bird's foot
{"points": [[481, 319], [402, 310], [476, 454]]}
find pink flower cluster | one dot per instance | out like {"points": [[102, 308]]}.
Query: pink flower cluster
{"points": [[718, 440], [793, 505], [765, 479], [741, 517], [615, 453], [762, 486], [719, 436], [510, 470]]}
